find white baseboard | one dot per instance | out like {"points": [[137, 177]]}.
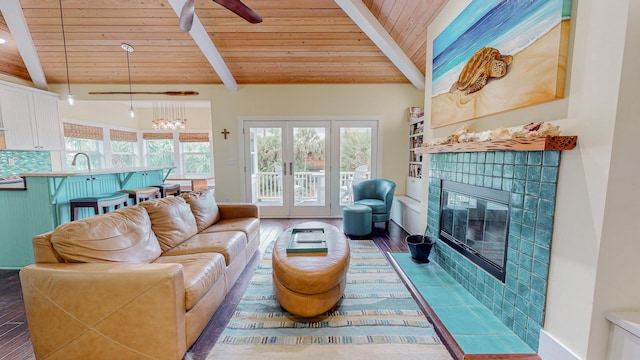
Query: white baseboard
{"points": [[551, 349]]}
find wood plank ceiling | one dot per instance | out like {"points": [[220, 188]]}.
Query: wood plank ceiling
{"points": [[298, 42]]}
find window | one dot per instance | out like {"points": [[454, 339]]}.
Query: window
{"points": [[159, 149], [86, 139], [195, 154], [123, 148]]}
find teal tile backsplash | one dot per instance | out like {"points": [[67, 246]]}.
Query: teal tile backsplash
{"points": [[531, 177], [17, 162]]}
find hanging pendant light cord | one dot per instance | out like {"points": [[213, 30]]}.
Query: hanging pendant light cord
{"points": [[129, 71], [64, 44]]}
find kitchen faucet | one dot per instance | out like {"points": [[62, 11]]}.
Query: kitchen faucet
{"points": [[76, 156]]}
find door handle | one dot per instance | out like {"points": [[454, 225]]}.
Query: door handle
{"points": [[291, 168], [284, 169]]}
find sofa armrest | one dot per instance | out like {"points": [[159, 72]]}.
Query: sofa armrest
{"points": [[238, 210], [116, 310], [43, 250]]}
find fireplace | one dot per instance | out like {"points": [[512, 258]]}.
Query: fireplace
{"points": [[474, 221], [523, 182]]}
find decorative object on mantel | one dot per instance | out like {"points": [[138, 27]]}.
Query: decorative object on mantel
{"points": [[169, 116], [529, 137], [465, 134], [536, 35]]}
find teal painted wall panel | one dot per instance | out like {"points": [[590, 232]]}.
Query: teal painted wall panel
{"points": [[24, 214], [83, 186]]}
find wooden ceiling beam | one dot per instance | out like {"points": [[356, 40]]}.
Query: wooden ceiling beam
{"points": [[208, 49], [17, 24], [368, 23]]}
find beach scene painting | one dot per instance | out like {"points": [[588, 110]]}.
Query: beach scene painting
{"points": [[499, 55]]}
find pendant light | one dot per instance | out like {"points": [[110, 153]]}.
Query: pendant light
{"points": [[70, 98], [128, 48]]}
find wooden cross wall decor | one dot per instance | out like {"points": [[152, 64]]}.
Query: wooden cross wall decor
{"points": [[225, 132]]}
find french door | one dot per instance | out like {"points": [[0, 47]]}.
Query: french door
{"points": [[303, 168], [288, 167]]}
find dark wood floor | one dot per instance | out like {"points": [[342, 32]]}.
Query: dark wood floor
{"points": [[14, 334]]}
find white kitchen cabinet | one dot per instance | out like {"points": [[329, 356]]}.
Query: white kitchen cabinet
{"points": [[31, 118]]}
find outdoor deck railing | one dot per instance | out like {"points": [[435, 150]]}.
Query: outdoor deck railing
{"points": [[308, 185]]}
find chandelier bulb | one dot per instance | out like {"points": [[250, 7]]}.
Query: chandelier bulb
{"points": [[132, 113], [70, 98]]}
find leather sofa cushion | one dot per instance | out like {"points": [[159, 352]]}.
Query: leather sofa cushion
{"points": [[200, 272], [248, 226], [123, 235], [230, 244], [203, 207], [171, 221]]}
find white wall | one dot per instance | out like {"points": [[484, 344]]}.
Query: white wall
{"points": [[617, 286], [593, 228], [389, 101]]}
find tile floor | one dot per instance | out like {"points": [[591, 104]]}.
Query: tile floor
{"points": [[472, 325]]}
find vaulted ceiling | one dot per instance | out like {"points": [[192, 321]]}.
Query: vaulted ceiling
{"points": [[298, 42]]}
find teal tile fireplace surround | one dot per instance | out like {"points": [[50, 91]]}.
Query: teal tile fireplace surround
{"points": [[531, 178]]}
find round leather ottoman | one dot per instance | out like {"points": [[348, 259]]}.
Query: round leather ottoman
{"points": [[309, 284], [356, 220]]}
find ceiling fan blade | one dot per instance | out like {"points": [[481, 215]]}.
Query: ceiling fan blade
{"points": [[240, 9], [186, 15], [169, 93]]}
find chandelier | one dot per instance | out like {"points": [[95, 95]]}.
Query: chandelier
{"points": [[168, 116]]}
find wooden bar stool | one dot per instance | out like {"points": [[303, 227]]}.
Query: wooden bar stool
{"points": [[100, 204], [142, 194], [199, 184], [168, 189]]}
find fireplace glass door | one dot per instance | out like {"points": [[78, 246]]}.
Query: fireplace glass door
{"points": [[474, 221]]}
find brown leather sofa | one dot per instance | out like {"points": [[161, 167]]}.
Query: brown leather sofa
{"points": [[141, 282]]}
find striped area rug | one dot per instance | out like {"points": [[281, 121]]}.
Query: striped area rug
{"points": [[376, 319]]}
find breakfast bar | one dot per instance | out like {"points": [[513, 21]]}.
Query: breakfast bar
{"points": [[44, 204]]}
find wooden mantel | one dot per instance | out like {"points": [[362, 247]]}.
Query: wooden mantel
{"points": [[520, 144]]}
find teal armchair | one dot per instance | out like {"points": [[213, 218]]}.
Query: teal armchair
{"points": [[378, 195]]}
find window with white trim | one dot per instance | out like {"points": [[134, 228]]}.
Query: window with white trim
{"points": [[86, 139], [159, 149], [195, 153], [123, 148]]}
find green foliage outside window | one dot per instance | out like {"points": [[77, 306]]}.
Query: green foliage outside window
{"points": [[197, 158], [160, 152], [269, 146], [122, 154], [355, 148], [90, 147]]}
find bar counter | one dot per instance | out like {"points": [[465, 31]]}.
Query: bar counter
{"points": [[96, 172], [44, 204]]}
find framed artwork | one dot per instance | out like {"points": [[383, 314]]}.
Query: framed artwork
{"points": [[499, 55]]}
